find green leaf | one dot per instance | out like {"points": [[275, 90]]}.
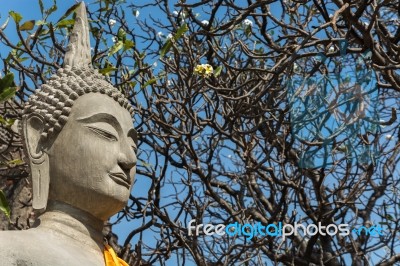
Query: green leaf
{"points": [[389, 217], [15, 162], [6, 82], [65, 23], [107, 70], [7, 87], [28, 25], [151, 81], [16, 16], [248, 31], [132, 84], [7, 94], [128, 44], [22, 59], [4, 207], [184, 28], [6, 122], [115, 48], [2, 120], [69, 11], [167, 46], [121, 35], [217, 71]]}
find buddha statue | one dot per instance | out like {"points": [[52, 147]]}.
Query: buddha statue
{"points": [[81, 144]]}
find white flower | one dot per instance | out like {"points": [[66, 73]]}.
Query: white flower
{"points": [[112, 22], [175, 13], [170, 83], [205, 22], [248, 23], [115, 39], [295, 67], [388, 137], [170, 36], [136, 13], [204, 70], [160, 34]]}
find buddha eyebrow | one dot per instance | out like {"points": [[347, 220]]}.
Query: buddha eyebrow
{"points": [[102, 117], [132, 133]]}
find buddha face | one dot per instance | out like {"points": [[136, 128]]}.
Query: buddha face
{"points": [[92, 160]]}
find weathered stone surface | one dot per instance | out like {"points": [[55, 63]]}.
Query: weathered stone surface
{"points": [[78, 49], [80, 143]]}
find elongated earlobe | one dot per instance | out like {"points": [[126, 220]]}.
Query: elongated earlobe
{"points": [[33, 126]]}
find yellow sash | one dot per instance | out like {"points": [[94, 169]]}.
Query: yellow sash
{"points": [[111, 258]]}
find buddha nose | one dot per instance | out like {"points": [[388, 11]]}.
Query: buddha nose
{"points": [[127, 158]]}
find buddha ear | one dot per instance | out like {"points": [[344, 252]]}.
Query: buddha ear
{"points": [[33, 126]]}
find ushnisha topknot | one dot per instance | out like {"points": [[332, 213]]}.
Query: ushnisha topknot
{"points": [[78, 49], [54, 100]]}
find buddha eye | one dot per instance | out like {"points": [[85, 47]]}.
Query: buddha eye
{"points": [[134, 148], [103, 133]]}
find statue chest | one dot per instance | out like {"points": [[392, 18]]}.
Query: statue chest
{"points": [[27, 248]]}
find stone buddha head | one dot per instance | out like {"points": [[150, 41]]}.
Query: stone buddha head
{"points": [[79, 136]]}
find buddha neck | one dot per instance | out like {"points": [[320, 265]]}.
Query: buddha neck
{"points": [[72, 223]]}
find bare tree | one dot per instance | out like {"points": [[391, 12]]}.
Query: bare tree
{"points": [[255, 112]]}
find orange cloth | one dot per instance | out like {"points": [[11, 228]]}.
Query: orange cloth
{"points": [[111, 258]]}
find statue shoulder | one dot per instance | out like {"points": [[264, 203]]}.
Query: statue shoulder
{"points": [[14, 246], [37, 248]]}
